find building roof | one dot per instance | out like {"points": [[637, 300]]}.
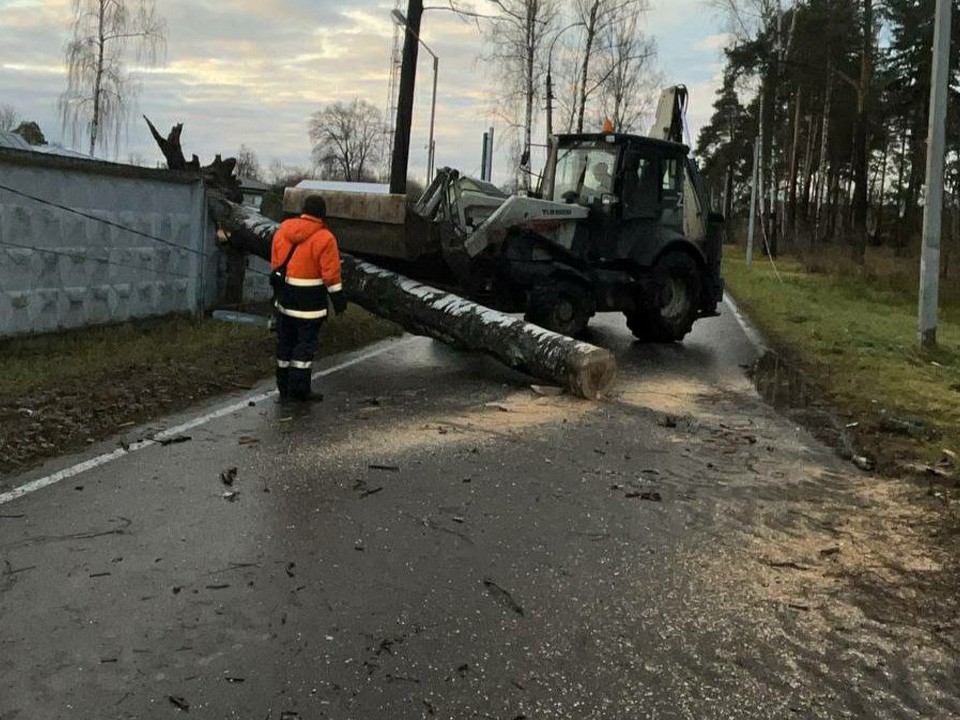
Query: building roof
{"points": [[341, 186], [249, 184], [14, 141]]}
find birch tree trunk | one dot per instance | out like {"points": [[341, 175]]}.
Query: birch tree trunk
{"points": [[812, 131], [591, 29], [531, 48], [822, 182], [584, 369], [794, 156]]}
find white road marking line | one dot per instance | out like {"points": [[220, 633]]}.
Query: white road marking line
{"points": [[99, 460], [752, 334]]}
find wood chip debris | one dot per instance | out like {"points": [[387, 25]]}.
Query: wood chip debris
{"points": [[175, 440], [228, 476], [179, 703]]}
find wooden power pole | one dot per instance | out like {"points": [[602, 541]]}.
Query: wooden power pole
{"points": [[408, 79]]}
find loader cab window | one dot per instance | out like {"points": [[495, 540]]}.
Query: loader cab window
{"points": [[585, 173], [672, 193], [641, 186], [652, 187]]}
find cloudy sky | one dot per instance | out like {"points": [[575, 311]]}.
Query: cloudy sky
{"points": [[252, 72]]}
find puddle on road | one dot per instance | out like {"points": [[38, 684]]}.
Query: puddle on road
{"points": [[793, 392], [781, 383]]}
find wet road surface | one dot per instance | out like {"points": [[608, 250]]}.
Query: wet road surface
{"points": [[437, 541]]}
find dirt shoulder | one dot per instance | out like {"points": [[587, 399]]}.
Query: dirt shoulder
{"points": [[62, 391], [848, 343]]}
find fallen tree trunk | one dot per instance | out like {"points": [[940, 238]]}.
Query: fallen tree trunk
{"points": [[584, 369]]}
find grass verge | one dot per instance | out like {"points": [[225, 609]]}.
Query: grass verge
{"points": [[855, 333], [59, 392]]}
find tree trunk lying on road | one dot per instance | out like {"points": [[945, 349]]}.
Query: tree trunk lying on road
{"points": [[584, 369]]}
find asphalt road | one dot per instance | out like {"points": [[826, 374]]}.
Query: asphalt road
{"points": [[435, 540]]}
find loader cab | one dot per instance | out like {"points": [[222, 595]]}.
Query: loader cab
{"points": [[623, 177], [645, 198]]}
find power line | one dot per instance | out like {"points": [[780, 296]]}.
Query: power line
{"points": [[80, 256]]}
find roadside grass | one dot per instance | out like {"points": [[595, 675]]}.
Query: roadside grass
{"points": [[33, 363], [61, 391], [854, 331]]}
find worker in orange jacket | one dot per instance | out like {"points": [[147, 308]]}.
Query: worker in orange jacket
{"points": [[306, 272]]}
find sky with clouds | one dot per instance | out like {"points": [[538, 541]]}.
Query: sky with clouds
{"points": [[252, 72]]}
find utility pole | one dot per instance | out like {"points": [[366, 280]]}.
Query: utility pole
{"points": [[408, 79], [753, 201], [483, 157], [933, 204], [490, 154]]}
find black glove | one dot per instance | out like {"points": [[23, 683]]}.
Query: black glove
{"points": [[339, 301]]}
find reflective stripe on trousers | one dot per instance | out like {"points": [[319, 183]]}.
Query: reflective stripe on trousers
{"points": [[297, 341]]}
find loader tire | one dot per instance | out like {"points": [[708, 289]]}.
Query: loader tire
{"points": [[667, 313], [561, 306]]}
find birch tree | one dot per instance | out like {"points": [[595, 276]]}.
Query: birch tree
{"points": [[100, 92], [629, 80], [518, 34], [602, 23]]}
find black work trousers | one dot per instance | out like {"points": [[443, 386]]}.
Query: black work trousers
{"points": [[297, 342]]}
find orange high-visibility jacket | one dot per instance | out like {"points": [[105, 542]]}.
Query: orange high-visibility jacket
{"points": [[313, 271]]}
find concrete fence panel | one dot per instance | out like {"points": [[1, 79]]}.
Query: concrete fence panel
{"points": [[84, 242]]}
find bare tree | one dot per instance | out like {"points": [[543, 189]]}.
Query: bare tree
{"points": [[746, 18], [100, 91], [598, 18], [248, 164], [347, 140], [518, 35], [9, 118], [275, 171], [630, 82]]}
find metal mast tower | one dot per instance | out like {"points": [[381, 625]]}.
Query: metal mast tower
{"points": [[396, 60]]}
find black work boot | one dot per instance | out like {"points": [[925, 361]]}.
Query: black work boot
{"points": [[283, 381]]}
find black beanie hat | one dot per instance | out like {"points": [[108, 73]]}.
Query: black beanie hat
{"points": [[315, 206]]}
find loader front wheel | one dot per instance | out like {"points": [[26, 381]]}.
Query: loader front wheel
{"points": [[667, 313], [562, 306]]}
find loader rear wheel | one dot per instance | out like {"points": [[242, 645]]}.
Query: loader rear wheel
{"points": [[667, 313], [562, 306]]}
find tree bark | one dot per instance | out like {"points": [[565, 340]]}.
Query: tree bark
{"points": [[583, 369], [530, 27], [584, 70], [794, 158], [861, 149], [822, 179], [882, 204], [812, 132]]}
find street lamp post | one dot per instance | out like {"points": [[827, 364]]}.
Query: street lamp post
{"points": [[431, 146]]}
